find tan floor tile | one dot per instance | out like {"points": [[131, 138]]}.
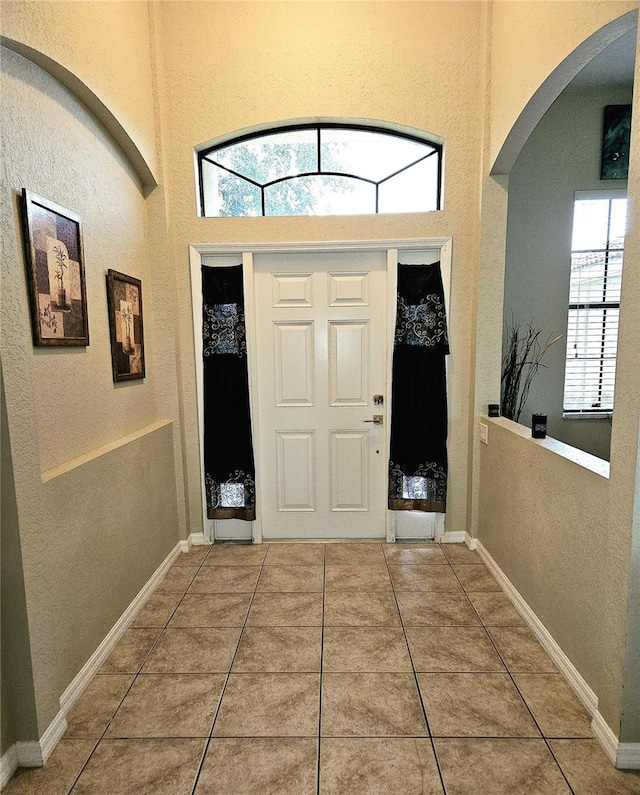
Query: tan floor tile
{"points": [[285, 610], [58, 774], [590, 772], [168, 705], [260, 766], [367, 649], [295, 555], [460, 553], [475, 577], [495, 609], [296, 579], [499, 767], [201, 650], [436, 609], [374, 766], [357, 578], [92, 712], [269, 705], [130, 651], [453, 649], [521, 651], [177, 579], [346, 554], [368, 705], [360, 609], [474, 705], [424, 578], [157, 610], [194, 557], [226, 579], [212, 610], [554, 705], [414, 554], [237, 555], [279, 649], [142, 767]]}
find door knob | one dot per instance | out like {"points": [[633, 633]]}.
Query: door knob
{"points": [[377, 419]]}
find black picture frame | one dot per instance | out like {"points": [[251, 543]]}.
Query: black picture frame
{"points": [[54, 259], [616, 136], [126, 327]]}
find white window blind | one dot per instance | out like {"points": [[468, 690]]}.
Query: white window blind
{"points": [[594, 302]]}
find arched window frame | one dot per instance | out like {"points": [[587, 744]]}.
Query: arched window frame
{"points": [[206, 153]]}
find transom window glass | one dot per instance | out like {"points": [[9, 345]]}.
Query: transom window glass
{"points": [[594, 302], [321, 170]]}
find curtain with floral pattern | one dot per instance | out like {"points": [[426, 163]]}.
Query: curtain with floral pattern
{"points": [[228, 448], [418, 457]]}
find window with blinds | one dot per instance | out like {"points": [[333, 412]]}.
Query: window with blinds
{"points": [[597, 249]]}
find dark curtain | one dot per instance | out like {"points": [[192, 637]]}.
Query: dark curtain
{"points": [[418, 459], [228, 448]]}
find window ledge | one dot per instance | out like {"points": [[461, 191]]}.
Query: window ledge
{"points": [[587, 415]]}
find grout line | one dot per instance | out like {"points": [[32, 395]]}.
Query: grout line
{"points": [[137, 673], [324, 591], [417, 684], [513, 682], [226, 680]]}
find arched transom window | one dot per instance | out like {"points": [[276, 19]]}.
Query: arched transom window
{"points": [[320, 169]]}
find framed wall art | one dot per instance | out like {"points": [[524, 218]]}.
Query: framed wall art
{"points": [[55, 272], [616, 137], [124, 298]]}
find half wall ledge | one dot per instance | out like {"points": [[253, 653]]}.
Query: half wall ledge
{"points": [[590, 462]]}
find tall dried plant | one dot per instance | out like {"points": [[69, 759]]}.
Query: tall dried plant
{"points": [[521, 359]]}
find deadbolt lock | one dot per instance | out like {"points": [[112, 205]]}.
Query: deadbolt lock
{"points": [[378, 400]]}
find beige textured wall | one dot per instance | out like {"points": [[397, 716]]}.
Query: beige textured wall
{"points": [[233, 65], [17, 705], [106, 45], [91, 537], [529, 41], [559, 532]]}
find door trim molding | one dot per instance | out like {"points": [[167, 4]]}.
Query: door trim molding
{"points": [[246, 252]]}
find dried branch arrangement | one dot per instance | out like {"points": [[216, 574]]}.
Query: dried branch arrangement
{"points": [[521, 359]]}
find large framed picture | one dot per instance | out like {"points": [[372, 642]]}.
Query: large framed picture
{"points": [[616, 137], [124, 298], [55, 272]]}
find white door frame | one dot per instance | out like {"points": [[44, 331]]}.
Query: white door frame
{"points": [[245, 253]]}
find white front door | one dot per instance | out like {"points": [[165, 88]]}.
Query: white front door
{"points": [[321, 360]]}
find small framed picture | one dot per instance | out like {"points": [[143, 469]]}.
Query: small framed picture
{"points": [[55, 272], [616, 137], [124, 298]]}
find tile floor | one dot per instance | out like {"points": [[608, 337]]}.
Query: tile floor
{"points": [[340, 668]]}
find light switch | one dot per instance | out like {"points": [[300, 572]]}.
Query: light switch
{"points": [[484, 433]]}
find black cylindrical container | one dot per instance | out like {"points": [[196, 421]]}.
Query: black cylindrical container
{"points": [[494, 409], [538, 426]]}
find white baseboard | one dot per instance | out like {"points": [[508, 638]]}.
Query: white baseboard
{"points": [[622, 755], [196, 540], [470, 541], [8, 765], [564, 664], [628, 757], [35, 754], [452, 537], [77, 686], [605, 736]]}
